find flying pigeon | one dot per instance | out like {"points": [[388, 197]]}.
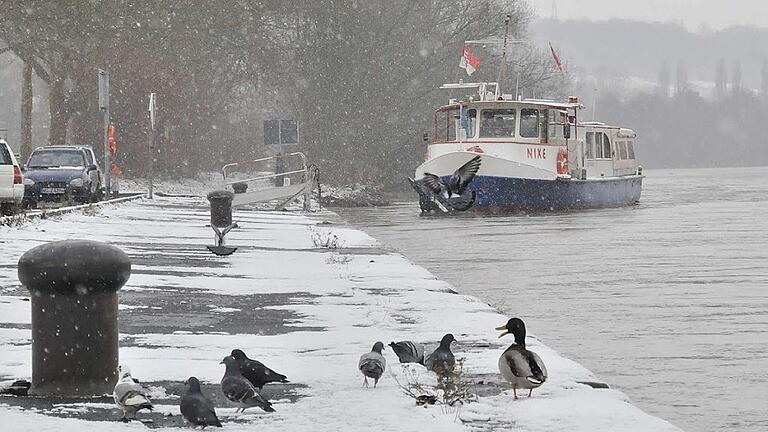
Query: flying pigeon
{"points": [[129, 395], [239, 390], [196, 408], [436, 194], [442, 361], [373, 364], [255, 371], [408, 352]]}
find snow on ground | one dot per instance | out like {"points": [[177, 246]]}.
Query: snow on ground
{"points": [[335, 303]]}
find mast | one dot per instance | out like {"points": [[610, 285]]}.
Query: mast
{"points": [[503, 68]]}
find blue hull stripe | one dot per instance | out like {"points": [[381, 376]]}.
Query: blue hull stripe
{"points": [[519, 194]]}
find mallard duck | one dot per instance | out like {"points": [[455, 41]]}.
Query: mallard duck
{"points": [[521, 367]]}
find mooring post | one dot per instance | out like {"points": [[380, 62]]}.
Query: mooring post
{"points": [[221, 219], [221, 208], [73, 286]]}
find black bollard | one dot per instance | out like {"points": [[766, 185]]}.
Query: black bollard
{"points": [[73, 286], [221, 208], [221, 220], [240, 188]]}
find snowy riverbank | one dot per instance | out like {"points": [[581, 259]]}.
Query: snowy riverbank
{"points": [[307, 310]]}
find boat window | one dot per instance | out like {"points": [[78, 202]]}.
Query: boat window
{"points": [[590, 145], [451, 118], [445, 124], [553, 123], [497, 123], [606, 147], [469, 121], [631, 149], [599, 145], [622, 150], [529, 123]]}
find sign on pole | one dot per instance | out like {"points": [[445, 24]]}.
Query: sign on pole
{"points": [[103, 90]]}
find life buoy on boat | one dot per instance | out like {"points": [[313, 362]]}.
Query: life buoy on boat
{"points": [[475, 149], [562, 161]]}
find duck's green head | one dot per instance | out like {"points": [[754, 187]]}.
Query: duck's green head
{"points": [[516, 327]]}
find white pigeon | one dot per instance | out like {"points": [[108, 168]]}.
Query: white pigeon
{"points": [[129, 395]]}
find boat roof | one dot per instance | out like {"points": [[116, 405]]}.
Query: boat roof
{"points": [[485, 96]]}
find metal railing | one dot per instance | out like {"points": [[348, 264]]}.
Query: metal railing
{"points": [[300, 155]]}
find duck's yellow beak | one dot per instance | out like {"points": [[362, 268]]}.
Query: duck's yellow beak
{"points": [[503, 328]]}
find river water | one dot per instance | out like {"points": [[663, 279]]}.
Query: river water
{"points": [[666, 301]]}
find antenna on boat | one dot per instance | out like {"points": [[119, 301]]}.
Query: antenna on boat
{"points": [[503, 68]]}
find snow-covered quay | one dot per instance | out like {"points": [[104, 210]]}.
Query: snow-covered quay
{"points": [[307, 296]]}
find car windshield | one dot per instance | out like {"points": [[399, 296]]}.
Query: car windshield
{"points": [[56, 159]]}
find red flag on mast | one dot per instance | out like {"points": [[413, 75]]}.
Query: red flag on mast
{"points": [[469, 61], [556, 57]]}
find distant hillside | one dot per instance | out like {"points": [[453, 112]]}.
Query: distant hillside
{"points": [[628, 48]]}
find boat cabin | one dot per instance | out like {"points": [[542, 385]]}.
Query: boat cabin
{"points": [[542, 133]]}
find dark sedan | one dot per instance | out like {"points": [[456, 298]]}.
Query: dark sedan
{"points": [[59, 174]]}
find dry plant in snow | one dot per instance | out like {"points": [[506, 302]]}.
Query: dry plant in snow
{"points": [[426, 388], [324, 239]]}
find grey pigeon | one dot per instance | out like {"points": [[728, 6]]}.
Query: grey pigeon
{"points": [[442, 361], [408, 352], [196, 408], [255, 371], [239, 390], [436, 194], [373, 364], [129, 395]]}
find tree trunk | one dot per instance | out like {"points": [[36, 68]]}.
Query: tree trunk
{"points": [[26, 110], [58, 109]]}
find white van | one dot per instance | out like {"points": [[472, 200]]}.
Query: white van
{"points": [[11, 181]]}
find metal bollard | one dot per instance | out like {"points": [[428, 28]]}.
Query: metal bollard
{"points": [[221, 220], [240, 187], [73, 286], [221, 208]]}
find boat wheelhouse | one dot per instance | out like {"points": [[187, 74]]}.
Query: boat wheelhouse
{"points": [[536, 154]]}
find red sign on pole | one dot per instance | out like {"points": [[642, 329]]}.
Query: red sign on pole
{"points": [[111, 140]]}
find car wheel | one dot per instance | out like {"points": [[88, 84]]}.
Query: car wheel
{"points": [[6, 209]]}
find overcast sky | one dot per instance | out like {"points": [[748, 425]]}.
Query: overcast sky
{"points": [[717, 14]]}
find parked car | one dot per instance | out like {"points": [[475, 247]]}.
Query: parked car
{"points": [[11, 181], [61, 174]]}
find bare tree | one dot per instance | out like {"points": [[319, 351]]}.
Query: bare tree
{"points": [[721, 80]]}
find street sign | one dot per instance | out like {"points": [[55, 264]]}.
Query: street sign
{"points": [[152, 108], [103, 90]]}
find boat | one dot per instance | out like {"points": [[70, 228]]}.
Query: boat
{"points": [[536, 155]]}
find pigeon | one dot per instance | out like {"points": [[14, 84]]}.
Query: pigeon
{"points": [[255, 371], [442, 361], [239, 390], [436, 194], [408, 352], [373, 364], [196, 408], [129, 395], [457, 183], [521, 367]]}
